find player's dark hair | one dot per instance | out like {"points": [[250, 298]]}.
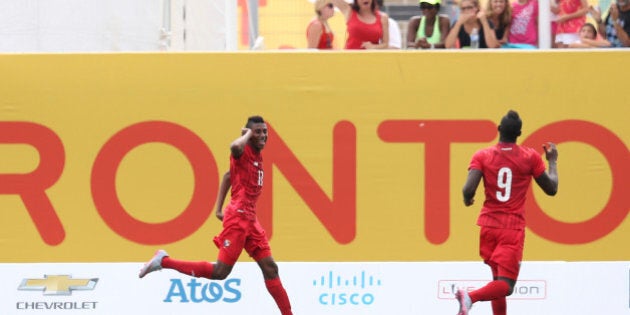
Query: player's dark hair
{"points": [[254, 120], [510, 127]]}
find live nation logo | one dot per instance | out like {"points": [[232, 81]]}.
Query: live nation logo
{"points": [[523, 290]]}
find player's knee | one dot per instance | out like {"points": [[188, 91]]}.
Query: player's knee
{"points": [[220, 275], [510, 286], [221, 271], [270, 269], [510, 291]]}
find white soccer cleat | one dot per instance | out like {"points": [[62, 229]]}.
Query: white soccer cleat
{"points": [[154, 264], [465, 303]]}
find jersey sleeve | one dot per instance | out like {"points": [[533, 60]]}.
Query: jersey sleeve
{"points": [[476, 163]]}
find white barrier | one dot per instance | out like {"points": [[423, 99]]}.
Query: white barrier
{"points": [[377, 288], [117, 25]]}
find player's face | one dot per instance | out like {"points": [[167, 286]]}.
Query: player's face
{"points": [[259, 135]]}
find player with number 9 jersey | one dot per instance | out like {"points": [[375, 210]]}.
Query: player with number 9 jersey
{"points": [[507, 170], [507, 173]]}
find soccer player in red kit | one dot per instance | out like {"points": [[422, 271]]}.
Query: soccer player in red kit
{"points": [[241, 229], [507, 170]]}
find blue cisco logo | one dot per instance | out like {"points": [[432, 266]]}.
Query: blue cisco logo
{"points": [[356, 289], [198, 292]]}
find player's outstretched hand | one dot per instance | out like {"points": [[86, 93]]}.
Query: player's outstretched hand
{"points": [[551, 152]]}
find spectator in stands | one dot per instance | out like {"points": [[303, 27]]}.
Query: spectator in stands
{"points": [[366, 27], [318, 33], [554, 20], [571, 15], [395, 39], [467, 24], [616, 27], [524, 27], [589, 38], [429, 30], [499, 15]]}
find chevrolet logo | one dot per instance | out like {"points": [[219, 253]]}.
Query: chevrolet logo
{"points": [[57, 284]]}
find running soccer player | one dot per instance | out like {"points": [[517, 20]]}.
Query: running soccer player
{"points": [[507, 170], [241, 229]]}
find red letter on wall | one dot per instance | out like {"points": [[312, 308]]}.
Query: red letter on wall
{"points": [[437, 135], [337, 215], [104, 183], [31, 187], [618, 206]]}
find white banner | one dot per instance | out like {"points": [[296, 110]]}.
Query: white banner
{"points": [[314, 288]]}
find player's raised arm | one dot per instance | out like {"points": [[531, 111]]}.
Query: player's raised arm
{"points": [[343, 6], [238, 145], [548, 180]]}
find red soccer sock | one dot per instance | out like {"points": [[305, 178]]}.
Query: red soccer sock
{"points": [[494, 290], [499, 307], [275, 288], [197, 269]]}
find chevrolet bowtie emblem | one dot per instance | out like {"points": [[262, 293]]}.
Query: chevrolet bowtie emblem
{"points": [[57, 284]]}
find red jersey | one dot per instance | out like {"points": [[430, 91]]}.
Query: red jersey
{"points": [[246, 177], [359, 32], [326, 39], [507, 172]]}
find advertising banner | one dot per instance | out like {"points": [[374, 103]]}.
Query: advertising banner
{"points": [[313, 288], [107, 157]]}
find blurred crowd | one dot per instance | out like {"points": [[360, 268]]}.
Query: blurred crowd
{"points": [[498, 24]]}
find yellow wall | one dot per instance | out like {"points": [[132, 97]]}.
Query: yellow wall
{"points": [[79, 109]]}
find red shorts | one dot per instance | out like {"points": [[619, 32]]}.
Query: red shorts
{"points": [[240, 232], [502, 249]]}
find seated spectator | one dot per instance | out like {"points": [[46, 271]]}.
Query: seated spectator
{"points": [[429, 30], [318, 33], [616, 27], [524, 27], [469, 24], [589, 38], [499, 15], [395, 39], [570, 16], [366, 27]]}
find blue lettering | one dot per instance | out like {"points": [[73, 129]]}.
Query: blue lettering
{"points": [[353, 299], [199, 292], [176, 290], [230, 289], [215, 290], [346, 298], [193, 285], [322, 299], [342, 299]]}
